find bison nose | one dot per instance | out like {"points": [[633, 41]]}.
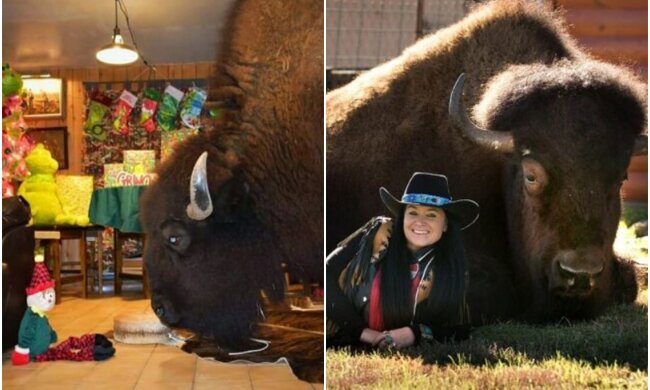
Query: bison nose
{"points": [[576, 272], [159, 310], [158, 307]]}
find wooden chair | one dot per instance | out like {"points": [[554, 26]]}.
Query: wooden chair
{"points": [[51, 239], [120, 238]]}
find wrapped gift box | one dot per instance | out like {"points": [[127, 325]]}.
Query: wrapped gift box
{"points": [[139, 161], [116, 176], [111, 172], [74, 193]]}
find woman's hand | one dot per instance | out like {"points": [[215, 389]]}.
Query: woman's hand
{"points": [[372, 337], [398, 338]]}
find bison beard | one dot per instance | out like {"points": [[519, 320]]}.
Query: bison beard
{"points": [[297, 337], [256, 196], [548, 182]]}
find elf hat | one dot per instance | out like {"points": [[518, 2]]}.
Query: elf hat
{"points": [[430, 189], [41, 280]]}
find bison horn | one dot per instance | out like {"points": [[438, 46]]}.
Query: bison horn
{"points": [[641, 145], [498, 140], [200, 206]]}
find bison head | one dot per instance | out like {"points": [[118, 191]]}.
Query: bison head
{"points": [[208, 256], [568, 131]]}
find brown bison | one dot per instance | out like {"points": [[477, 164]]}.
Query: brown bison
{"points": [[547, 173], [234, 202]]}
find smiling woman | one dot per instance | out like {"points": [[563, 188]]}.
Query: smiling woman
{"points": [[423, 226], [394, 283]]}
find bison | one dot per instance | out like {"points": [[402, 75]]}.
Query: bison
{"points": [[235, 201], [544, 152]]}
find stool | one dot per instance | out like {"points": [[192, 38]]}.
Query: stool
{"points": [[51, 239], [120, 238]]}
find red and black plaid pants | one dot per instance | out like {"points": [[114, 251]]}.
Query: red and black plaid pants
{"points": [[73, 348]]}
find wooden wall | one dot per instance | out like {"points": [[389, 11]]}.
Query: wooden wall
{"points": [[615, 31], [75, 103]]}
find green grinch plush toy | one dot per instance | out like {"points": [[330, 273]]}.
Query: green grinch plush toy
{"points": [[39, 189]]}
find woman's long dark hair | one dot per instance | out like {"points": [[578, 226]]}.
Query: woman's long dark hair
{"points": [[446, 300]]}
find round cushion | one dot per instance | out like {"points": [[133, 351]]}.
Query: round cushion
{"points": [[139, 328]]}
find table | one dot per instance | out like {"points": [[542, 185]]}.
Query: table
{"points": [[51, 238], [119, 208]]}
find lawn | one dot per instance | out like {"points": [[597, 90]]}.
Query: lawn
{"points": [[610, 352]]}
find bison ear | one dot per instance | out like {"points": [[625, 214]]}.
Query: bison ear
{"points": [[233, 200]]}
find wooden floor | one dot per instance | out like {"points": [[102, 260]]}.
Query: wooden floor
{"points": [[135, 366]]}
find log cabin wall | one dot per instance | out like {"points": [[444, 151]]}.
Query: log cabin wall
{"points": [[75, 96], [615, 31]]}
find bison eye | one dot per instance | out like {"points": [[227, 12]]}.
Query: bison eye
{"points": [[176, 236], [535, 177]]}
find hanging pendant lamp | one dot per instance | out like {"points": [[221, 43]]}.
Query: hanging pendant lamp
{"points": [[117, 52]]}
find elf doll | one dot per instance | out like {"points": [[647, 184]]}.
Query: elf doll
{"points": [[35, 333]]}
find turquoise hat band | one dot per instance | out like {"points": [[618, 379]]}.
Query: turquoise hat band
{"points": [[425, 199]]}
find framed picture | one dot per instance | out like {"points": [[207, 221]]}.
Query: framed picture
{"points": [[44, 97], [55, 139]]}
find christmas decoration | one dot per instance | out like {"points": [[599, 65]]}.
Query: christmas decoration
{"points": [[36, 334], [139, 161], [97, 109], [166, 115], [122, 111], [191, 107], [14, 143], [12, 83], [150, 100], [40, 190], [169, 139]]}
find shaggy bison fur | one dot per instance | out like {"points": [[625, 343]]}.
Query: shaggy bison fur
{"points": [[237, 200]]}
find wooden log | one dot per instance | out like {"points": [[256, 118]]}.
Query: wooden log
{"points": [[639, 164], [76, 118], [618, 50], [92, 75], [175, 72], [586, 22], [204, 70], [635, 188], [119, 73], [106, 74], [611, 4], [137, 72], [188, 71]]}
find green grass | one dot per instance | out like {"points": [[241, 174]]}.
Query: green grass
{"points": [[401, 372], [610, 352]]}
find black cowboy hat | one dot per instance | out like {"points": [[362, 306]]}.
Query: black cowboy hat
{"points": [[429, 189]]}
